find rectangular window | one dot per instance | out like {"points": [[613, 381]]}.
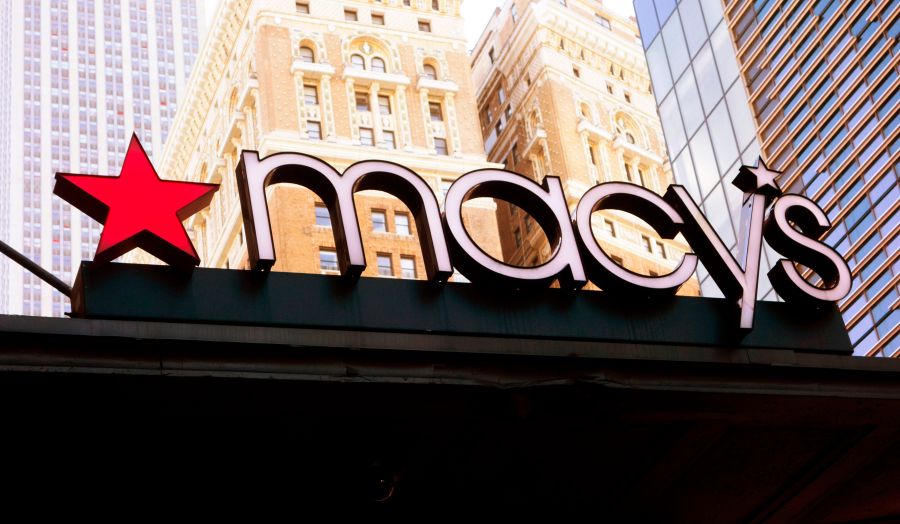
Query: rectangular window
{"points": [[366, 137], [491, 55], [385, 267], [322, 217], [379, 221], [440, 146], [362, 102], [648, 245], [514, 13], [314, 130], [425, 26], [310, 95], [377, 19], [609, 228], [303, 8], [529, 223], [609, 89], [518, 237], [350, 15], [576, 72], [408, 267], [384, 104], [401, 223], [627, 97], [328, 260], [436, 5], [445, 186], [437, 113], [661, 250], [389, 139], [602, 20]]}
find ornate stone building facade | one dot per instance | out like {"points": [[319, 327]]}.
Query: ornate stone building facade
{"points": [[563, 90], [344, 81]]}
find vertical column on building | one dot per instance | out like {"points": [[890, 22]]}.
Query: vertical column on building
{"points": [[326, 106], [635, 173], [451, 129], [375, 111], [429, 129], [620, 165], [354, 119], [75, 133], [592, 167], [404, 118], [301, 104], [46, 248]]}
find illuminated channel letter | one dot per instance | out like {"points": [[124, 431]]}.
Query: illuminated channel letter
{"points": [[254, 175], [802, 247], [736, 282], [643, 204], [546, 203]]}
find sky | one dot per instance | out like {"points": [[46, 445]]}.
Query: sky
{"points": [[475, 12]]}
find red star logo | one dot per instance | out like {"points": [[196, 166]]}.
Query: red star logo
{"points": [[138, 209]]}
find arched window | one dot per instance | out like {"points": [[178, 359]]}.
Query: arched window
{"points": [[378, 65], [307, 55], [430, 71], [629, 138], [357, 62]]}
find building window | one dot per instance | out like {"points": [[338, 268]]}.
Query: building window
{"points": [[627, 97], [357, 62], [366, 137], [389, 141], [515, 154], [362, 102], [303, 8], [379, 221], [609, 88], [401, 223], [648, 245], [514, 13], [425, 26], [307, 55], [593, 155], [576, 72], [378, 65], [602, 20], [563, 3], [430, 72], [437, 113], [513, 210], [445, 186], [609, 228], [314, 130], [629, 138], [436, 5], [499, 127], [328, 260], [350, 15], [407, 2], [661, 250], [491, 55], [384, 105], [518, 237], [528, 80], [377, 18], [385, 267], [310, 95], [322, 217], [529, 223], [408, 267], [440, 146], [508, 112]]}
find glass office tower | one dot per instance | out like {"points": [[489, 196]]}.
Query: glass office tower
{"points": [[813, 88], [77, 77]]}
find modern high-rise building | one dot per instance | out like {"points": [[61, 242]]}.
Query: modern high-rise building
{"points": [[813, 88], [343, 81], [78, 76], [563, 90]]}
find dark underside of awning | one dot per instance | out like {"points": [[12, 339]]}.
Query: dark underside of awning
{"points": [[159, 416]]}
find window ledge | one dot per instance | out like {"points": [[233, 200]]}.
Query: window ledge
{"points": [[364, 76], [313, 68], [445, 86]]}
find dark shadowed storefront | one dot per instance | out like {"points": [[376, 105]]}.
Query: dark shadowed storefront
{"points": [[403, 399]]}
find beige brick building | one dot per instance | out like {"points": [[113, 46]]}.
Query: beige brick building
{"points": [[563, 90], [343, 80]]}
